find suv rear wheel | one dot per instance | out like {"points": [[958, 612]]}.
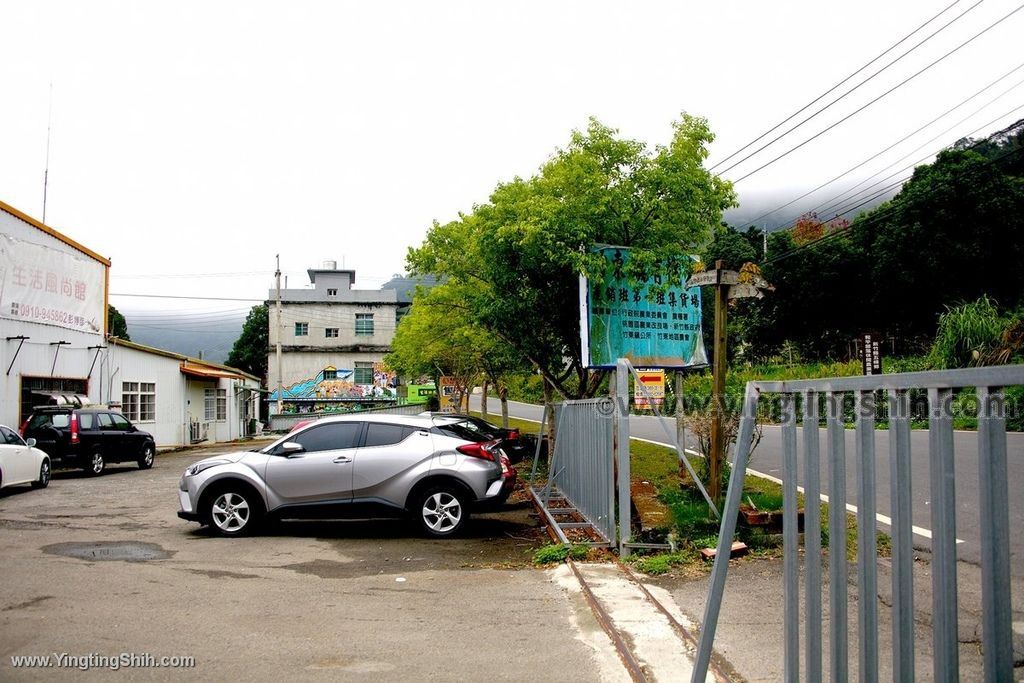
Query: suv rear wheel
{"points": [[233, 510], [441, 511], [94, 467]]}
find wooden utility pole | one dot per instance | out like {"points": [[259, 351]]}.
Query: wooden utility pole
{"points": [[718, 387], [728, 284]]}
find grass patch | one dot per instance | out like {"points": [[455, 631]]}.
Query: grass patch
{"points": [[556, 553], [692, 526], [660, 564]]}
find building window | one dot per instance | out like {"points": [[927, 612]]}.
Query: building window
{"points": [[138, 401], [364, 323], [330, 374], [331, 332], [301, 329], [363, 373], [215, 402], [332, 292]]}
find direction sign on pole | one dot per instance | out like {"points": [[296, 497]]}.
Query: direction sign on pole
{"points": [[654, 383]]}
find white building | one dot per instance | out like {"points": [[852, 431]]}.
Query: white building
{"points": [[54, 348], [333, 341]]}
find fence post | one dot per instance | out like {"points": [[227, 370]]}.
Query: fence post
{"points": [[622, 451]]}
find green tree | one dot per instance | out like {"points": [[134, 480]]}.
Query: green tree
{"points": [[117, 326], [519, 256], [249, 352], [438, 337], [952, 234]]}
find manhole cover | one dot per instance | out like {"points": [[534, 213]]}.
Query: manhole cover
{"points": [[127, 551]]}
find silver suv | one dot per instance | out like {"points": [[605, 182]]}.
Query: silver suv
{"points": [[352, 466]]}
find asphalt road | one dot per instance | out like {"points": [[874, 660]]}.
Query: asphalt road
{"points": [[103, 567], [767, 460]]}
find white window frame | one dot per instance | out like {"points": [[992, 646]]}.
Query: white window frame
{"points": [[301, 329], [138, 401], [328, 332], [215, 405]]}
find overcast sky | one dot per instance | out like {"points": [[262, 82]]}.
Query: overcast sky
{"points": [[190, 142]]}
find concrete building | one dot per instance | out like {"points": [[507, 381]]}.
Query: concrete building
{"points": [[54, 348], [333, 341]]}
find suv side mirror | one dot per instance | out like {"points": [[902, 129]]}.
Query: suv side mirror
{"points": [[291, 448]]}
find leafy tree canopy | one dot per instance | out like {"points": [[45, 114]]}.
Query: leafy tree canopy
{"points": [[518, 257], [438, 337], [249, 352], [954, 233], [117, 326]]}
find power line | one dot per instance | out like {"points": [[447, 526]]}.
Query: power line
{"points": [[921, 160], [836, 201], [881, 215], [837, 85], [197, 298], [902, 140], [886, 93]]}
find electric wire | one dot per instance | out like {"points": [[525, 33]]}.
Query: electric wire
{"points": [[1018, 125], [848, 92], [898, 142], [826, 208], [855, 203], [883, 95], [875, 218]]}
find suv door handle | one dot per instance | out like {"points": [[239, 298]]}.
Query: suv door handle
{"points": [[342, 459]]}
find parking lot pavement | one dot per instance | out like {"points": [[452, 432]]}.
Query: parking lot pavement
{"points": [[99, 573]]}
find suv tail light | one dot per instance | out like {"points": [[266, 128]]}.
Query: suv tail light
{"points": [[483, 450], [24, 427], [74, 427]]}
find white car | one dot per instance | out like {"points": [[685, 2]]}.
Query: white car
{"points": [[21, 462]]}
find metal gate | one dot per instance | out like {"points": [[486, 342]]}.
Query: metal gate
{"points": [[868, 393], [581, 469]]}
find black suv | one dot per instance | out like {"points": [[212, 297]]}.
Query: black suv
{"points": [[88, 438]]}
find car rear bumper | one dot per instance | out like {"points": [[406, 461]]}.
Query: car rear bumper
{"points": [[494, 489]]}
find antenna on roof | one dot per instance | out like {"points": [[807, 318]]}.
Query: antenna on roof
{"points": [[46, 170]]}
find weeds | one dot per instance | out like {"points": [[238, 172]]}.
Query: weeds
{"points": [[555, 553]]}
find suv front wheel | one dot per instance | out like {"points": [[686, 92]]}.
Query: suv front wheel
{"points": [[233, 510]]}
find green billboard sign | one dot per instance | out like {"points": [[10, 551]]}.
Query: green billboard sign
{"points": [[650, 323]]}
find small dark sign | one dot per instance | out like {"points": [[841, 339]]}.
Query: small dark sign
{"points": [[871, 355]]}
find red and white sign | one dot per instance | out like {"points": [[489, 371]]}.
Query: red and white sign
{"points": [[40, 284]]}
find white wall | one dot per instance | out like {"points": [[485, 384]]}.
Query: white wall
{"points": [[39, 352]]}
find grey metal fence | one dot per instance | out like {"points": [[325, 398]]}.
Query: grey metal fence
{"points": [[581, 468], [894, 392]]}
